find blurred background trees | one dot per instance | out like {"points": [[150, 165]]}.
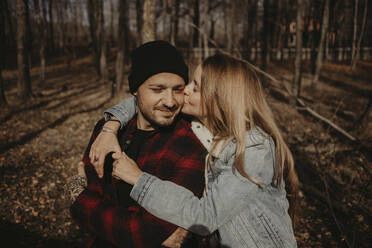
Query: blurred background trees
{"points": [[33, 31], [62, 61]]}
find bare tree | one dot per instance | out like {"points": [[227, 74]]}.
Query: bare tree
{"points": [[148, 17], [112, 15], [164, 18], [266, 35], [101, 40], [92, 17], [297, 76], [250, 24], [356, 51], [355, 29], [319, 59], [40, 22], [139, 9], [3, 101], [122, 43], [51, 28], [204, 27], [24, 82], [176, 21], [2, 58], [230, 26], [196, 22], [7, 18]]}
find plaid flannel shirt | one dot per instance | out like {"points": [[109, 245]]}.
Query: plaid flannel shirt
{"points": [[173, 154]]}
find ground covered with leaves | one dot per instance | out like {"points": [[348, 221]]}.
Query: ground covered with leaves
{"points": [[42, 141]]}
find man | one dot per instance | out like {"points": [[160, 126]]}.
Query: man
{"points": [[160, 143]]}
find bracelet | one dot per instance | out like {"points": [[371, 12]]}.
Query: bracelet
{"points": [[107, 130]]}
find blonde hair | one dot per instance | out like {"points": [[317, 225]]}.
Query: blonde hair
{"points": [[234, 103]]}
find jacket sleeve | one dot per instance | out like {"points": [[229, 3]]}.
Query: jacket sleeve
{"points": [[227, 195], [124, 111]]}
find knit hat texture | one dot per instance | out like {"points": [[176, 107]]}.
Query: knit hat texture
{"points": [[152, 58]]}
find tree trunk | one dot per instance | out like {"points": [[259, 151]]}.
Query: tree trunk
{"points": [[51, 29], [29, 36], [265, 35], [3, 101], [204, 27], [139, 8], [319, 59], [355, 29], [170, 9], [148, 28], [229, 28], [192, 30], [8, 18], [176, 22], [357, 50], [315, 39], [164, 18], [24, 82], [112, 15], [41, 25], [251, 23], [101, 40], [119, 66], [92, 17], [196, 22], [297, 76]]}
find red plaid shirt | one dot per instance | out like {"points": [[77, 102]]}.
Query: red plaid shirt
{"points": [[173, 154]]}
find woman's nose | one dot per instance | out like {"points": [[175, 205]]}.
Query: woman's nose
{"points": [[186, 91]]}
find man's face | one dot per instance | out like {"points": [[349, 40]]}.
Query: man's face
{"points": [[160, 99]]}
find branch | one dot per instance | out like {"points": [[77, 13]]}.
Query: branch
{"points": [[316, 115]]}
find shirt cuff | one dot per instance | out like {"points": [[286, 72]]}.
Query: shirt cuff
{"points": [[142, 186]]}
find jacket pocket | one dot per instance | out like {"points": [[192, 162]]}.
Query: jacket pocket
{"points": [[271, 230]]}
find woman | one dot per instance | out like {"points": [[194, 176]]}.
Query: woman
{"points": [[245, 197]]}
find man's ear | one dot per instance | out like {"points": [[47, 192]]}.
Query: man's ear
{"points": [[134, 93]]}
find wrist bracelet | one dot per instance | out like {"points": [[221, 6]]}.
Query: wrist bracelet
{"points": [[107, 130]]}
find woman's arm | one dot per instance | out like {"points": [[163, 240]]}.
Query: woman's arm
{"points": [[107, 140], [227, 195], [124, 111]]}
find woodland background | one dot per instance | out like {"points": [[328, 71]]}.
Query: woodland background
{"points": [[62, 62]]}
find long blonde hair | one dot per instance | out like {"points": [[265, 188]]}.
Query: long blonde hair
{"points": [[234, 103]]}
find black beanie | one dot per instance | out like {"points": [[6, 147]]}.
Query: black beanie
{"points": [[155, 57]]}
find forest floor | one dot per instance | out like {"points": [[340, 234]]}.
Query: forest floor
{"points": [[42, 141]]}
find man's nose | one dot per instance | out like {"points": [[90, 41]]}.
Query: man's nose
{"points": [[169, 99]]}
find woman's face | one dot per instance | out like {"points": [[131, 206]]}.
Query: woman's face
{"points": [[192, 105]]}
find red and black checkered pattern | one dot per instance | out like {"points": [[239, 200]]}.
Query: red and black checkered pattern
{"points": [[173, 154]]}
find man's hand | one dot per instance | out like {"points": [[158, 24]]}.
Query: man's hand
{"points": [[105, 142], [176, 239]]}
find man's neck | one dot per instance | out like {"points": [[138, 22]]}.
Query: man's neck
{"points": [[143, 124]]}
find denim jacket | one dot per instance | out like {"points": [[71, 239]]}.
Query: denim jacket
{"points": [[244, 213]]}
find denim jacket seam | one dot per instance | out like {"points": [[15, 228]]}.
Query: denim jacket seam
{"points": [[146, 181]]}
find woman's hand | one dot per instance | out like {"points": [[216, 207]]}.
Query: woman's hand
{"points": [[105, 142], [125, 168]]}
